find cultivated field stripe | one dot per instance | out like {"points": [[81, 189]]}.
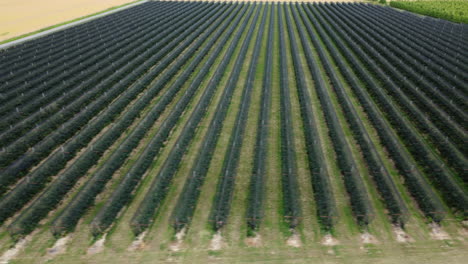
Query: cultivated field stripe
{"points": [[354, 183], [51, 86], [434, 120], [397, 210], [144, 215], [68, 219], [84, 64], [26, 69], [64, 34], [148, 73], [451, 49], [259, 171], [442, 176], [406, 133], [73, 116], [290, 189], [144, 175], [223, 197], [37, 179], [122, 194], [419, 187], [45, 53], [116, 159], [272, 220], [72, 101], [418, 63]]}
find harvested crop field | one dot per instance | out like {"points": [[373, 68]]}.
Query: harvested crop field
{"points": [[18, 17], [237, 132]]}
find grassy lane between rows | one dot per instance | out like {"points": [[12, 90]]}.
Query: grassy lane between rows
{"points": [[236, 227], [272, 218], [309, 228]]}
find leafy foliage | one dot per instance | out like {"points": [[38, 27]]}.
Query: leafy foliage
{"points": [[158, 190], [456, 11], [123, 193], [397, 209], [225, 188], [259, 170]]}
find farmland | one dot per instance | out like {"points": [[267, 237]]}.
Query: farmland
{"points": [[195, 131], [454, 10], [19, 17]]}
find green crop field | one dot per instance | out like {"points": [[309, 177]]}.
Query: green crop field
{"points": [[203, 132], [452, 10]]}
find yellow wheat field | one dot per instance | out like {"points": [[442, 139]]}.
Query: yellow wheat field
{"points": [[18, 17]]}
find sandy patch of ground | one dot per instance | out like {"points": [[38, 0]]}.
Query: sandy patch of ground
{"points": [[463, 234], [177, 244], [138, 243], [19, 17], [59, 247], [329, 240], [254, 241], [294, 240], [465, 223], [13, 252], [97, 247], [367, 238], [217, 242], [401, 235], [437, 232]]}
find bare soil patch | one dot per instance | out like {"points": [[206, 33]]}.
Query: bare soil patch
{"points": [[401, 235], [367, 238], [254, 241], [217, 242], [437, 232], [97, 247], [294, 240], [13, 252], [465, 224], [59, 247], [177, 244], [139, 243], [329, 240]]}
